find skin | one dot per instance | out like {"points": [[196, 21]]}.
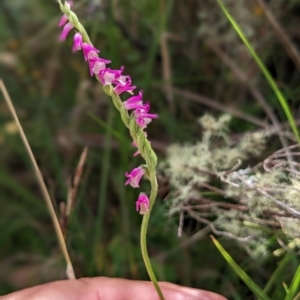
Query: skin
{"points": [[103, 288]]}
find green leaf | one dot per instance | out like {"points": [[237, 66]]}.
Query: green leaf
{"points": [[264, 70], [292, 290], [241, 273], [286, 288], [280, 270], [108, 128]]}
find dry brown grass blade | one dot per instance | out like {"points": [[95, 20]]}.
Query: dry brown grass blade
{"points": [[166, 70], [286, 42], [66, 208], [186, 243], [77, 177], [69, 270]]}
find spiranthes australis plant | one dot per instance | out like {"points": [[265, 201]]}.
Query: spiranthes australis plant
{"points": [[134, 114]]}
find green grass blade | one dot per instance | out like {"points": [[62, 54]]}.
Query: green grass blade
{"points": [[264, 70], [28, 199], [108, 128], [102, 199], [280, 270], [286, 288], [241, 273], [294, 287], [155, 45]]}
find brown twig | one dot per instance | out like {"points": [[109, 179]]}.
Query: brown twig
{"points": [[212, 188], [210, 203], [218, 106], [181, 218], [186, 243], [77, 178], [262, 191], [215, 231]]}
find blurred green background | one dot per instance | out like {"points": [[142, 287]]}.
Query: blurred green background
{"points": [[188, 61]]}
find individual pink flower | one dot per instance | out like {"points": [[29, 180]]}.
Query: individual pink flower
{"points": [[143, 118], [67, 28], [108, 76], [123, 84], [119, 89], [97, 64], [142, 204], [64, 18], [89, 51], [123, 79], [77, 42], [134, 102], [134, 177]]}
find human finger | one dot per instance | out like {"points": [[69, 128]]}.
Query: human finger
{"points": [[103, 288]]}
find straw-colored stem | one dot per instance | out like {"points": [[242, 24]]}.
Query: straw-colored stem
{"points": [[39, 177]]}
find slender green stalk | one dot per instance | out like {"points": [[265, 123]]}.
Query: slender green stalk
{"points": [[149, 156], [144, 227]]}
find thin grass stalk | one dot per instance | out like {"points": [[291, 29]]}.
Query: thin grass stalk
{"points": [[69, 270], [103, 183]]}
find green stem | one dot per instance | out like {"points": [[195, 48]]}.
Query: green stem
{"points": [[154, 187]]}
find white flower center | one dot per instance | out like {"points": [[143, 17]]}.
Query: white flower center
{"points": [[98, 66], [108, 78]]}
